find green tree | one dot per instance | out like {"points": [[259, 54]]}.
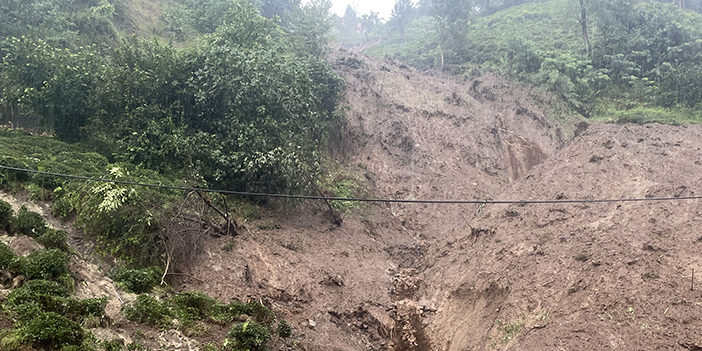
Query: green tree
{"points": [[46, 19], [369, 22], [451, 17], [310, 26], [401, 16], [53, 83], [279, 8]]}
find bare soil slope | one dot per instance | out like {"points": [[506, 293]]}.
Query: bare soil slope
{"points": [[411, 136], [582, 276]]}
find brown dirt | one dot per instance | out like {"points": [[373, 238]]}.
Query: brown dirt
{"points": [[473, 277], [363, 286]]}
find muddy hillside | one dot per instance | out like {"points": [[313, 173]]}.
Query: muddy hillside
{"points": [[455, 277], [370, 284]]}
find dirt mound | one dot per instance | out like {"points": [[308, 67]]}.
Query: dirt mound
{"points": [[432, 136], [584, 276]]}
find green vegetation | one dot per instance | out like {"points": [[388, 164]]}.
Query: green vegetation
{"points": [[641, 62], [54, 239], [6, 214], [45, 264], [28, 223], [340, 183], [249, 108], [247, 336], [191, 310], [510, 331], [241, 98], [284, 329], [44, 313], [7, 256], [137, 280]]}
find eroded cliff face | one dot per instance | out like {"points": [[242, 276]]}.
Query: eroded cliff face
{"points": [[365, 285]]}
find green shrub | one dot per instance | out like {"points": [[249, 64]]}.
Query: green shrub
{"points": [[138, 281], [284, 329], [54, 239], [7, 256], [147, 309], [259, 313], [53, 331], [226, 313], [192, 305], [40, 296], [5, 215], [41, 287], [28, 223], [249, 336], [254, 309], [45, 264], [78, 310], [36, 296]]}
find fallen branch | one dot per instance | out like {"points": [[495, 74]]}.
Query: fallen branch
{"points": [[230, 225], [336, 217]]}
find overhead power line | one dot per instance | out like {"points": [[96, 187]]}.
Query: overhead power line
{"points": [[305, 197]]}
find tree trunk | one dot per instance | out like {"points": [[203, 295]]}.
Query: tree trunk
{"points": [[583, 24], [442, 58]]}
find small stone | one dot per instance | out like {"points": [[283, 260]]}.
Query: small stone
{"points": [[312, 323]]}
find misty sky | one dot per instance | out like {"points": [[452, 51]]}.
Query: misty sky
{"points": [[384, 7]]}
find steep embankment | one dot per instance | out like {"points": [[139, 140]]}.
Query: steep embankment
{"points": [[412, 136], [581, 276]]}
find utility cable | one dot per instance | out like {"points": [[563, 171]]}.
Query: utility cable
{"points": [[305, 197]]}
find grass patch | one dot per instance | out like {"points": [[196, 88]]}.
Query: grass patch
{"points": [[510, 331], [645, 115], [337, 182]]}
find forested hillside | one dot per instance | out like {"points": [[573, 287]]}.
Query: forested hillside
{"points": [[201, 94], [622, 60]]}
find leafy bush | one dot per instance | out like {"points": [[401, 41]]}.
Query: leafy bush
{"points": [[259, 313], [7, 256], [54, 239], [5, 215], [147, 309], [247, 336], [137, 281], [226, 313], [39, 296], [36, 296], [45, 264], [284, 329], [192, 305], [28, 223], [79, 310], [53, 331]]}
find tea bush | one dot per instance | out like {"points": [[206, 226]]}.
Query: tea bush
{"points": [[28, 223], [147, 309], [249, 336], [54, 239], [7, 256], [5, 215], [137, 281], [52, 330], [45, 264]]}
